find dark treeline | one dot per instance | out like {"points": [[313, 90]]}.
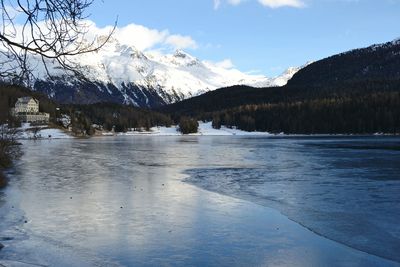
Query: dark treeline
{"points": [[114, 116], [107, 115], [372, 113], [235, 96], [362, 107], [359, 107]]}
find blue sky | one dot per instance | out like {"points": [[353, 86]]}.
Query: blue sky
{"points": [[262, 36]]}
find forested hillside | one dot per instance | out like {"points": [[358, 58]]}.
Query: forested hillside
{"points": [[10, 93], [107, 115], [354, 92], [374, 63], [119, 117]]}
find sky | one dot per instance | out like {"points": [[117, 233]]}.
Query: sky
{"points": [[254, 36]]}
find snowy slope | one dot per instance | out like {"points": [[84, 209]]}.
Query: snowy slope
{"points": [[123, 74]]}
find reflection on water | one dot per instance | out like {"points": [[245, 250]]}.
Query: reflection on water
{"points": [[123, 201]]}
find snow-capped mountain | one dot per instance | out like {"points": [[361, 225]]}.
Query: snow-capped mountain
{"points": [[123, 74]]}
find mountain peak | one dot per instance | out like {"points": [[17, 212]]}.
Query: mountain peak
{"points": [[131, 51], [182, 58], [181, 54], [124, 74]]}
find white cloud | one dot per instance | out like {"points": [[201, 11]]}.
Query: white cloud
{"points": [[144, 38], [267, 3], [141, 37], [281, 3], [181, 42]]}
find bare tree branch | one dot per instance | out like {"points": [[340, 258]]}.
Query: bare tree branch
{"points": [[51, 30]]}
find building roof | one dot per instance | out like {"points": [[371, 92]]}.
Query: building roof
{"points": [[26, 99]]}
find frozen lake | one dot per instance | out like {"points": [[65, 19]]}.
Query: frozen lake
{"points": [[204, 201]]}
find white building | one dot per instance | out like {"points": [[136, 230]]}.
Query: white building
{"points": [[27, 110], [26, 104]]}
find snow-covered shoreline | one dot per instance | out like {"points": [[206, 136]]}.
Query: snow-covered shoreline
{"points": [[205, 128], [45, 132]]}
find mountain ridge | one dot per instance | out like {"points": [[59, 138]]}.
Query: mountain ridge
{"points": [[121, 73], [332, 95], [375, 62]]}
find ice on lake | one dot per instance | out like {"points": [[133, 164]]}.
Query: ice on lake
{"points": [[203, 201]]}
